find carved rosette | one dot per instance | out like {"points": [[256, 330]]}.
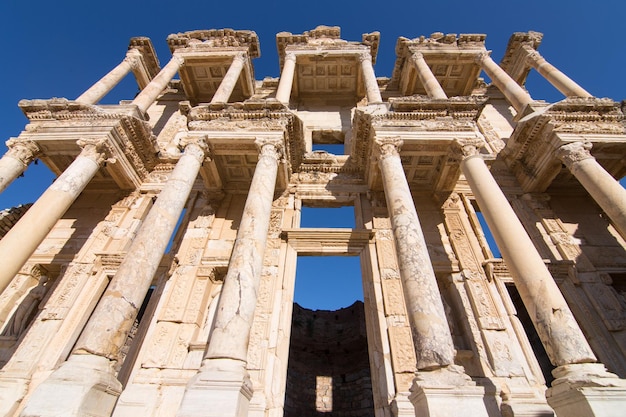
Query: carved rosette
{"points": [[574, 152], [23, 150]]}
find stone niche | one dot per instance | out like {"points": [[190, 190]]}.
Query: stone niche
{"points": [[329, 372]]}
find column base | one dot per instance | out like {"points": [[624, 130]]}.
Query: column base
{"points": [[85, 385], [221, 388], [587, 390], [401, 405], [444, 392]]}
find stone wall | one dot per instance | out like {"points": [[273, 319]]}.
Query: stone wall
{"points": [[329, 371]]}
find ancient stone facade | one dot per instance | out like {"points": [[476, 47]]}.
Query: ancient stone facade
{"points": [[155, 276]]}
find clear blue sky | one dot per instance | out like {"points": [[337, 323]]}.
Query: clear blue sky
{"points": [[58, 49]]}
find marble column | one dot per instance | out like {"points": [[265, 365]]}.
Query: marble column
{"points": [[562, 82], [605, 190], [97, 91], [86, 383], [223, 380], [433, 343], [283, 92], [515, 94], [369, 79], [427, 78], [230, 79], [147, 96], [24, 237], [20, 154], [555, 324]]}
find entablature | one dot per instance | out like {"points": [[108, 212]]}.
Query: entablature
{"points": [[531, 150], [451, 58], [57, 124], [515, 57]]}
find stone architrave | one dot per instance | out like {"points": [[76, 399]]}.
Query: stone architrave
{"points": [[515, 94], [230, 79], [20, 154], [24, 237], [369, 79], [283, 92], [223, 380], [98, 347], [562, 82], [601, 185], [427, 78], [100, 89]]}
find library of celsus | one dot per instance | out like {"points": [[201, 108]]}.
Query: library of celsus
{"points": [[155, 276]]}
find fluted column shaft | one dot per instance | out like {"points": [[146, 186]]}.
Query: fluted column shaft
{"points": [[369, 79], [562, 82], [555, 324], [106, 331], [230, 79], [427, 78], [515, 94], [147, 96], [97, 91], [237, 302], [20, 154], [605, 190], [433, 343], [24, 237], [283, 92]]}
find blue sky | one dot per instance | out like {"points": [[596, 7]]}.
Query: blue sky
{"points": [[58, 49]]}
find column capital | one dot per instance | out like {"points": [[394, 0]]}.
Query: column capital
{"points": [[465, 148], [365, 56], [270, 147], [23, 150], [95, 149], [388, 146], [574, 152], [417, 55], [133, 58], [532, 55], [482, 56], [240, 56], [290, 56], [196, 145]]}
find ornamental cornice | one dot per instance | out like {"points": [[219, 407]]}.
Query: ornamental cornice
{"points": [[216, 39], [468, 107], [517, 43], [439, 41], [64, 109]]}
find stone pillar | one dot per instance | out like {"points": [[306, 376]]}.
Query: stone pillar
{"points": [[95, 93], [86, 383], [369, 79], [555, 77], [427, 78], [283, 92], [230, 79], [582, 388], [440, 387], [223, 380], [147, 96], [515, 94], [24, 237], [601, 185], [20, 154]]}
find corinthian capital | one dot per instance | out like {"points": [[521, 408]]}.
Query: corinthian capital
{"points": [[96, 149], [574, 152], [365, 56], [533, 56], [464, 148], [197, 146], [134, 58], [482, 56], [388, 146], [22, 150], [273, 148]]}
